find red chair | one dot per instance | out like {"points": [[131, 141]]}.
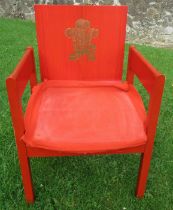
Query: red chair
{"points": [[81, 106]]}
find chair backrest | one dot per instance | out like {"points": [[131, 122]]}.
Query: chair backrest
{"points": [[81, 42]]}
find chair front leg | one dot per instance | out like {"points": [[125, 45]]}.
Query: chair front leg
{"points": [[16, 83], [143, 173], [26, 172]]}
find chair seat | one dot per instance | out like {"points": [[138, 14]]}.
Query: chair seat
{"points": [[85, 117]]}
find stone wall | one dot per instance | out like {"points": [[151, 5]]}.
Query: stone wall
{"points": [[149, 21]]}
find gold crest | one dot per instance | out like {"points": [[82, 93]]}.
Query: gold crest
{"points": [[82, 35]]}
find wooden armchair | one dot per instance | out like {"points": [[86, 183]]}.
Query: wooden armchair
{"points": [[82, 106]]}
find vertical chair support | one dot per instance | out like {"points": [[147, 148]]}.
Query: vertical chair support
{"points": [[154, 84], [153, 114], [26, 172], [16, 84]]}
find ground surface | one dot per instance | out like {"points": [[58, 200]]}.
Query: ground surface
{"points": [[84, 183]]}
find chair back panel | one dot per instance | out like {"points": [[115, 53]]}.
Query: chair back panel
{"points": [[81, 42]]}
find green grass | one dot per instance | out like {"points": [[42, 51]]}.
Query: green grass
{"points": [[88, 182]]}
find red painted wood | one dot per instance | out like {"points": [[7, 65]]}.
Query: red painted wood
{"points": [[36, 152], [153, 114], [25, 171], [153, 81], [55, 47], [139, 66], [18, 124], [25, 71], [15, 108], [16, 83], [85, 116]]}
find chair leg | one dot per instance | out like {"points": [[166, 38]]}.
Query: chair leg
{"points": [[26, 173], [143, 174]]}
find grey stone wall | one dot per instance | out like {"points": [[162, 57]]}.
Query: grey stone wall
{"points": [[149, 21]]}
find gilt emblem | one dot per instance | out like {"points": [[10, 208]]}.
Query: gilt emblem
{"points": [[82, 36]]}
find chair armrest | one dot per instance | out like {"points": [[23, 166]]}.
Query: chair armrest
{"points": [[153, 82], [16, 83]]}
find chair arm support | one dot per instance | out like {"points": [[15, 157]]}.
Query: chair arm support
{"points": [[153, 82], [25, 71], [154, 108], [139, 66], [16, 83]]}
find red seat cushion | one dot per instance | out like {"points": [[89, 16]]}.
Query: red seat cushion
{"points": [[85, 117]]}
